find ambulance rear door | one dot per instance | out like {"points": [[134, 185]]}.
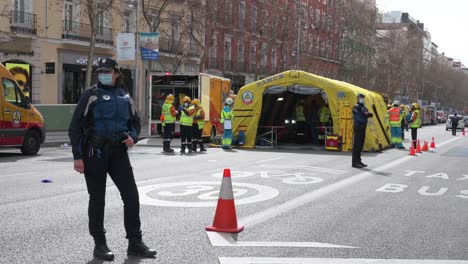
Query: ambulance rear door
{"points": [[15, 113]]}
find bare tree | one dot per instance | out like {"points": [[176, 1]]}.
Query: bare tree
{"points": [[201, 24], [358, 28], [95, 11]]}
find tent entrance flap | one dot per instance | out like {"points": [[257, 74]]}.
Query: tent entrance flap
{"points": [[294, 110]]}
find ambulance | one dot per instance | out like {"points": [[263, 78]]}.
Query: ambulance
{"points": [[21, 124]]}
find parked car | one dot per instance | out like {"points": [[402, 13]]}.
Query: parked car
{"points": [[441, 117], [465, 119], [461, 123]]}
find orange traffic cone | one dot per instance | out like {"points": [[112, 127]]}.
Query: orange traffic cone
{"points": [[426, 146], [418, 147], [225, 219], [433, 143], [411, 150]]}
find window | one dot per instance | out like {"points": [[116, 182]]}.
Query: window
{"points": [[129, 20], [227, 49], [274, 58], [12, 92], [68, 12], [254, 16], [228, 15], [241, 14], [175, 28], [240, 53]]}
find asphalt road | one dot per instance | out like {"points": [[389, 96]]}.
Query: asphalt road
{"points": [[298, 206]]}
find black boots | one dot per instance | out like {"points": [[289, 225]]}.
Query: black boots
{"points": [[202, 148], [102, 251], [194, 146], [167, 147], [137, 247], [182, 148]]}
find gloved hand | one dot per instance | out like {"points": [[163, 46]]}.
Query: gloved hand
{"points": [[370, 115]]}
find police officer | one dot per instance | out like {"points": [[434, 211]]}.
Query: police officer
{"points": [[454, 120], [198, 124], [105, 124], [360, 116], [169, 114], [415, 122], [186, 123]]}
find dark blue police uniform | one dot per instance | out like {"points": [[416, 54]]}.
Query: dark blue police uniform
{"points": [[360, 116], [104, 117]]}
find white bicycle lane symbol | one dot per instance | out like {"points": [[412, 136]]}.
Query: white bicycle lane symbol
{"points": [[287, 174], [205, 191]]}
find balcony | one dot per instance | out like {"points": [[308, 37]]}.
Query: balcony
{"points": [[81, 31], [212, 63], [22, 22], [241, 66], [171, 46], [227, 65]]}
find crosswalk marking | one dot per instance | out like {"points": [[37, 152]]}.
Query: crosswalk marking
{"points": [[223, 260]]}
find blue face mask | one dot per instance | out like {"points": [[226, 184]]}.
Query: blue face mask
{"points": [[106, 78]]}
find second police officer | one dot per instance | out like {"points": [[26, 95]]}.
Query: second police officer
{"points": [[360, 116]]}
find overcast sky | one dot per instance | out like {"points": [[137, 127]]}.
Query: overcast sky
{"points": [[446, 20]]}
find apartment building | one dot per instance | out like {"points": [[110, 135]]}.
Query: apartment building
{"points": [[51, 38], [253, 38]]}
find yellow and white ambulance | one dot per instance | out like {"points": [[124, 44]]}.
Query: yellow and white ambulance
{"points": [[21, 124]]}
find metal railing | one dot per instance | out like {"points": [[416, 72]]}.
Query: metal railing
{"points": [[23, 22], [212, 63], [228, 65], [81, 31], [241, 66]]}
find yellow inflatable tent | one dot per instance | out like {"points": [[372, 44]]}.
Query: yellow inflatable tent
{"points": [[341, 98]]}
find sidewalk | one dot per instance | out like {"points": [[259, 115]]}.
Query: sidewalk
{"points": [[59, 138]]}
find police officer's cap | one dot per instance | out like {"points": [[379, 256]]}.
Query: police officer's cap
{"points": [[360, 95], [107, 64]]}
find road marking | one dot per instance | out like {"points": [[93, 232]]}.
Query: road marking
{"points": [[334, 261], [319, 169], [273, 159], [203, 190], [226, 240], [317, 194], [18, 174]]}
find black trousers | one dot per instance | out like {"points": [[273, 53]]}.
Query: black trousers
{"points": [[402, 130], [168, 132], [454, 129], [197, 134], [186, 134], [112, 160], [359, 136], [414, 136]]}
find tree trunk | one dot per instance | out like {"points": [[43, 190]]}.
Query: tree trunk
{"points": [[89, 65]]}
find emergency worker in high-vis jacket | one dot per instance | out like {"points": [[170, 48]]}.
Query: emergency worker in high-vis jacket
{"points": [[198, 124], [168, 118], [415, 122], [105, 124], [394, 117], [227, 117], [186, 124]]}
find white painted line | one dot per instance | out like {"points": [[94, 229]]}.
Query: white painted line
{"points": [[317, 194], [273, 159], [226, 240], [23, 173], [319, 169], [334, 261], [211, 160]]}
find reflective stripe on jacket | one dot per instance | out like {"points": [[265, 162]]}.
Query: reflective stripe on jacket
{"points": [[300, 113]]}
